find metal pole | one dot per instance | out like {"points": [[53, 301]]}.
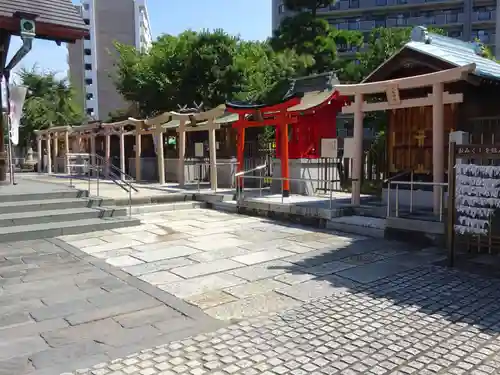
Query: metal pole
{"points": [[331, 195], [88, 174], [411, 192], [281, 190], [397, 200], [260, 183], [130, 200], [389, 199], [440, 203], [98, 171]]}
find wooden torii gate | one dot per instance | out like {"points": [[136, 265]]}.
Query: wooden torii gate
{"points": [[391, 88]]}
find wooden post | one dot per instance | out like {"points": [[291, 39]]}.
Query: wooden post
{"points": [[122, 154], [450, 227], [160, 156], [240, 153], [92, 155], [107, 152], [182, 152], [39, 152], [138, 151], [285, 172], [212, 147], [55, 147], [49, 157], [357, 162], [66, 152], [437, 143]]}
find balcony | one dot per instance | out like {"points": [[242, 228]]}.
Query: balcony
{"points": [[488, 16]]}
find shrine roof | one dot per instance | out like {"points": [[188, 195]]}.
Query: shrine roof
{"points": [[52, 17], [312, 90], [453, 51]]}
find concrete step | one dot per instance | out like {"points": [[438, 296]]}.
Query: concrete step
{"points": [[60, 215], [154, 208], [63, 194], [50, 204], [365, 226], [55, 229]]}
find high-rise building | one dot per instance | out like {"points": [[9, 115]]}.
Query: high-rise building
{"points": [[463, 19], [91, 61]]}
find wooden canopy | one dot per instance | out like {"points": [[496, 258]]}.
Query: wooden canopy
{"points": [[55, 19]]}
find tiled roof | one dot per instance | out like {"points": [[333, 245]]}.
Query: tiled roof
{"points": [[313, 83], [54, 12], [453, 51]]}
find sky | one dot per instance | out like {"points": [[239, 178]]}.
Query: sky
{"points": [[249, 19]]}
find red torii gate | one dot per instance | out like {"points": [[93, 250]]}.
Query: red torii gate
{"points": [[265, 115]]}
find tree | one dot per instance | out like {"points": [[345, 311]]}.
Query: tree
{"points": [[314, 37], [307, 5], [49, 101], [208, 67]]}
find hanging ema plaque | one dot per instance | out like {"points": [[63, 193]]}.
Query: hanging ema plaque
{"points": [[477, 196]]}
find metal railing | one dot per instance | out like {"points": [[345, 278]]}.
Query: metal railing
{"points": [[440, 185], [96, 163], [199, 180], [390, 181], [241, 176]]}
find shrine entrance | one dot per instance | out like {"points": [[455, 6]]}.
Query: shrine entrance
{"points": [[473, 225]]}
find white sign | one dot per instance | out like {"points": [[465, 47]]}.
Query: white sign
{"points": [[329, 148], [17, 97], [349, 148], [199, 150]]}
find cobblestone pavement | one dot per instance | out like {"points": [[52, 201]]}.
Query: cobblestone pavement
{"points": [[61, 309], [234, 266], [424, 321]]}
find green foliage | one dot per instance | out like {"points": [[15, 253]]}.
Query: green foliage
{"points": [[49, 101], [315, 38], [208, 67], [307, 5]]}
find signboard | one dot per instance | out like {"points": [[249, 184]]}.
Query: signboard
{"points": [[349, 148], [477, 196], [329, 148], [199, 150]]}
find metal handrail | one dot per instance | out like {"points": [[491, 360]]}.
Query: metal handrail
{"points": [[282, 179], [412, 183], [120, 172], [400, 174], [98, 168], [216, 165]]}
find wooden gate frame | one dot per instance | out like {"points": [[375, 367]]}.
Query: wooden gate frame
{"points": [[462, 151]]}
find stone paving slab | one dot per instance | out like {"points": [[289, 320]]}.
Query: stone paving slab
{"points": [[61, 308], [224, 263], [425, 321]]}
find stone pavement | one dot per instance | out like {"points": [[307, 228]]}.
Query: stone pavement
{"points": [[61, 309], [234, 266], [428, 320]]}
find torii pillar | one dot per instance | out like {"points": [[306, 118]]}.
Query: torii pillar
{"points": [[357, 162], [438, 145], [159, 155]]}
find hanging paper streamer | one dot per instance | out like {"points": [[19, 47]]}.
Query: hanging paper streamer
{"points": [[477, 197]]}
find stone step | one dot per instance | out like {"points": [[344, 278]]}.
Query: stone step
{"points": [[63, 194], [366, 226], [154, 208], [60, 215], [55, 229], [50, 204]]}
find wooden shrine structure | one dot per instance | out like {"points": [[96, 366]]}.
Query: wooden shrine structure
{"points": [[304, 116], [421, 87], [82, 139], [55, 20]]}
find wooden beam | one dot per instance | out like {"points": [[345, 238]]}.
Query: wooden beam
{"points": [[201, 128], [444, 76], [407, 103]]}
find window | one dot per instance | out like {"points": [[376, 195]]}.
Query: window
{"points": [[87, 52], [89, 96], [90, 111], [353, 4], [86, 6], [87, 21], [281, 9], [88, 66], [88, 81], [381, 2], [87, 37]]}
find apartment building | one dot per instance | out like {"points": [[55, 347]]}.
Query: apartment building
{"points": [[91, 61], [464, 19]]}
